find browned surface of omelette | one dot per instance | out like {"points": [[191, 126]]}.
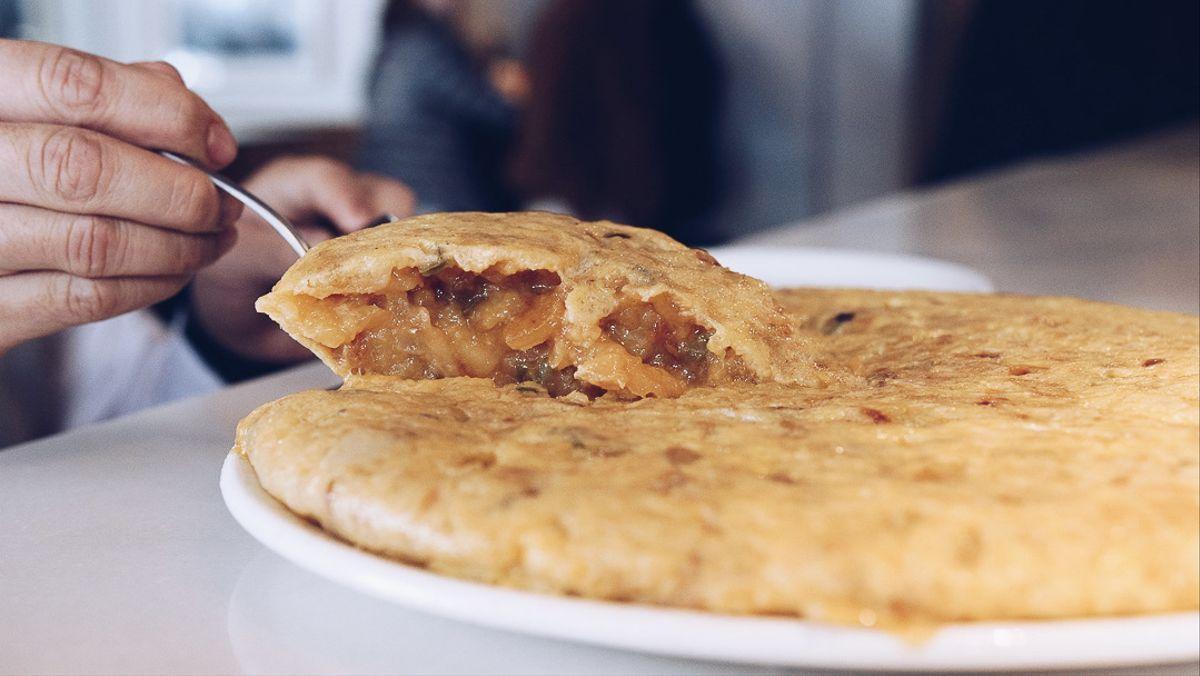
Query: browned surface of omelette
{"points": [[967, 457], [535, 297]]}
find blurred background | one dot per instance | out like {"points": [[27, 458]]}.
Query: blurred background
{"points": [[709, 119]]}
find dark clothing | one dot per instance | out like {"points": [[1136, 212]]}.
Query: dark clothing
{"points": [[1037, 77], [434, 122], [10, 18]]}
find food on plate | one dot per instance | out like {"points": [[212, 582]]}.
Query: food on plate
{"points": [[535, 297], [967, 457]]}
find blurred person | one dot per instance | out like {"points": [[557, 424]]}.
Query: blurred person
{"points": [[622, 116], [434, 119], [94, 225]]}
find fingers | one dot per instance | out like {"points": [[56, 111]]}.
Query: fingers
{"points": [[40, 303], [335, 193], [314, 236], [303, 187], [144, 104], [74, 170], [388, 196], [97, 247], [91, 224], [161, 68]]}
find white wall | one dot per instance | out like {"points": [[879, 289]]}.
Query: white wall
{"points": [[323, 86]]}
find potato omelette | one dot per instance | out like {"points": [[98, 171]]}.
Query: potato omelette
{"points": [[953, 457]]}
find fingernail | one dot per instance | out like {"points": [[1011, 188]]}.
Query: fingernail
{"points": [[231, 210], [222, 147]]}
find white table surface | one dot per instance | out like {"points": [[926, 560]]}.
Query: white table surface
{"points": [[1119, 225], [117, 554]]}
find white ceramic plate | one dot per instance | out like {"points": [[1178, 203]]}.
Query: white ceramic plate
{"points": [[756, 640], [795, 266]]}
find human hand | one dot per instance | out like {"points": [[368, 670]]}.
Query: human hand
{"points": [[305, 190], [92, 224]]}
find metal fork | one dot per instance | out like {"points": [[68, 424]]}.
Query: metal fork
{"points": [[289, 232]]}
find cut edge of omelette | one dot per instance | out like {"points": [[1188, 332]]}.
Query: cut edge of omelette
{"points": [[541, 298]]}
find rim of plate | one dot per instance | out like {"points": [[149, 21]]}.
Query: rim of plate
{"points": [[991, 646], [856, 268]]}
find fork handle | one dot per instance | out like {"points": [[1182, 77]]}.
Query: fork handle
{"points": [[281, 225]]}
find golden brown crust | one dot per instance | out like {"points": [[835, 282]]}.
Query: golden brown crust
{"points": [[601, 264], [975, 457]]}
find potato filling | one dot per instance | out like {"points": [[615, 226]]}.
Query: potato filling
{"points": [[680, 348], [450, 322]]}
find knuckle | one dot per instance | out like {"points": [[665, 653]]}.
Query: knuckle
{"points": [[96, 246], [167, 69], [193, 198], [72, 82], [190, 117], [71, 166], [195, 117], [87, 300]]}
